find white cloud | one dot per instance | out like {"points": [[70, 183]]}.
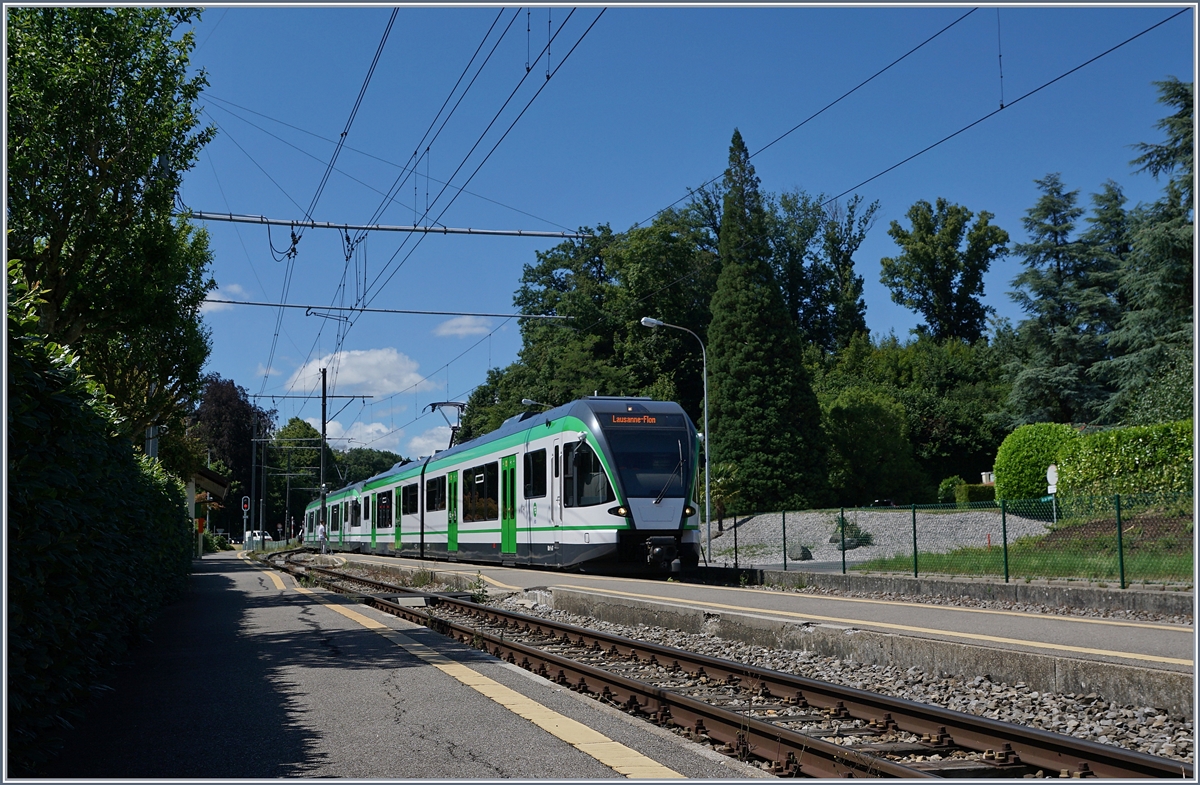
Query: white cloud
{"points": [[427, 443], [375, 435], [230, 291], [375, 372], [463, 326]]}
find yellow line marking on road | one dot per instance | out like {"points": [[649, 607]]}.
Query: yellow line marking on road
{"points": [[270, 573], [900, 627], [615, 755]]}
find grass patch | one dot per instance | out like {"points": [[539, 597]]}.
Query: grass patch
{"points": [[1155, 549]]}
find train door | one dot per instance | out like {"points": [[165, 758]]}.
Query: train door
{"points": [[556, 508], [452, 512], [508, 505]]}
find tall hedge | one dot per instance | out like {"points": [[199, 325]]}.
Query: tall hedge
{"points": [[1024, 456], [1138, 459], [98, 537]]}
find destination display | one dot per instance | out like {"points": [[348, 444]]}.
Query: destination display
{"points": [[643, 420]]}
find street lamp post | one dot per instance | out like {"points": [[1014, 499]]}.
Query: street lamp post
{"points": [[648, 322]]}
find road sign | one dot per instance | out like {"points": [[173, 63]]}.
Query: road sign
{"points": [[245, 504]]}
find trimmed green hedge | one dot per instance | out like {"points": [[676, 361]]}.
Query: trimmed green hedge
{"points": [[1024, 456], [966, 493], [1138, 459], [98, 538]]}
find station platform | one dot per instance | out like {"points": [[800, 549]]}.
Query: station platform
{"points": [[252, 676]]}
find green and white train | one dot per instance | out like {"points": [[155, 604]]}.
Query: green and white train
{"points": [[605, 483]]}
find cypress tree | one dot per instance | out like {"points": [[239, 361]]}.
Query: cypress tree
{"points": [[763, 413]]}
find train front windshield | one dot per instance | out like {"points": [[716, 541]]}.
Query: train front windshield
{"points": [[653, 460]]}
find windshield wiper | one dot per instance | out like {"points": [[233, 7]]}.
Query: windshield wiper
{"points": [[678, 466]]}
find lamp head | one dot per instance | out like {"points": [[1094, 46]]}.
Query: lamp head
{"points": [[648, 322]]}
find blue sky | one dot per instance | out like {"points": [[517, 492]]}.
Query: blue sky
{"points": [[642, 109]]}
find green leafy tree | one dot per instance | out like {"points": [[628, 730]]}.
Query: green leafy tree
{"points": [[665, 271], [806, 279], [938, 276], [153, 365], [950, 391], [870, 456], [844, 231], [102, 123], [1069, 315], [763, 413], [360, 463], [226, 422]]}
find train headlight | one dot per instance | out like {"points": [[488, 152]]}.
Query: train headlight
{"points": [[621, 511], [689, 511]]}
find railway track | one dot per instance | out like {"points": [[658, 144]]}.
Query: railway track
{"points": [[793, 725]]}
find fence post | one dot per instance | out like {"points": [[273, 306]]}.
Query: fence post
{"points": [[1120, 545], [735, 553], [785, 541], [843, 527], [1004, 536], [914, 511]]}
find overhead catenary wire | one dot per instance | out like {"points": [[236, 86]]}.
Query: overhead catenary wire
{"points": [[503, 136], [359, 152], [820, 111], [291, 254], [493, 149], [1013, 103]]}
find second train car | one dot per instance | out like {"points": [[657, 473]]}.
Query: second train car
{"points": [[602, 482]]}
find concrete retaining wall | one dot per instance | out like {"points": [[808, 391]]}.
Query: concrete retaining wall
{"points": [[1124, 684], [1056, 594]]}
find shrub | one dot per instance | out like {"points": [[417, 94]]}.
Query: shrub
{"points": [[946, 489], [1139, 459], [1024, 456]]}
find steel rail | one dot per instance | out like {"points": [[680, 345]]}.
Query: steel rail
{"points": [[1052, 752]]}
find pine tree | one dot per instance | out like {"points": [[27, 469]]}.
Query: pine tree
{"points": [[764, 415], [1069, 315], [1152, 364]]}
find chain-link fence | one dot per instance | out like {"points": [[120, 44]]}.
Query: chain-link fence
{"points": [[1125, 540]]}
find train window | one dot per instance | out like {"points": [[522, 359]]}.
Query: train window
{"points": [[408, 500], [556, 460], [335, 514], [481, 493], [355, 514], [535, 474], [367, 507], [584, 480], [435, 494], [383, 510], [312, 516]]}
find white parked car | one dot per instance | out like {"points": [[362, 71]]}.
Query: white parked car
{"points": [[258, 535]]}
